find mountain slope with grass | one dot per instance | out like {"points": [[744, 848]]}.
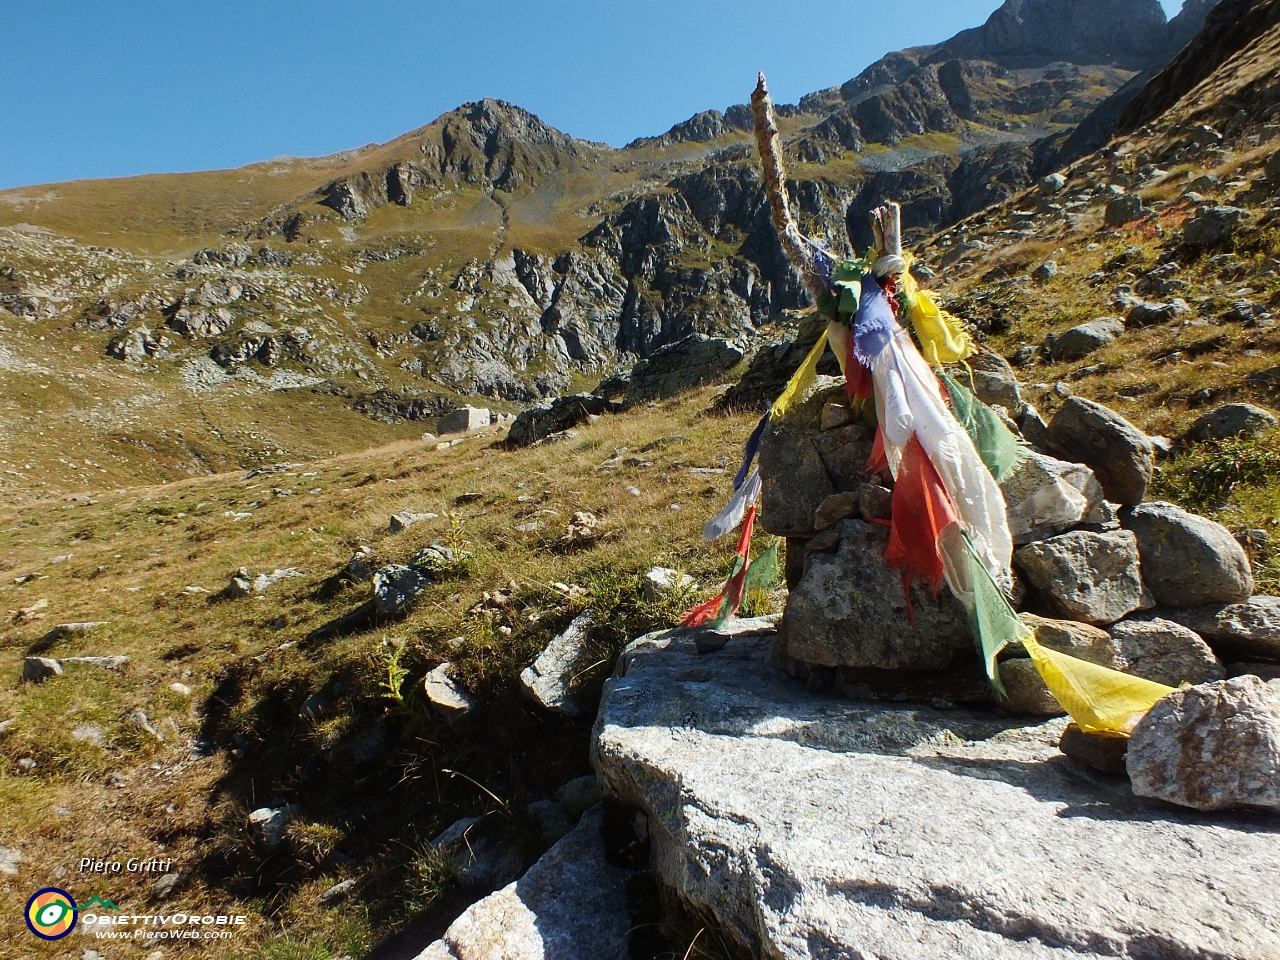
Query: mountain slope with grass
{"points": [[136, 486], [176, 324]]}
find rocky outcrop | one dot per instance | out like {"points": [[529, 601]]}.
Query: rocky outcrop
{"points": [[825, 828], [680, 367]]}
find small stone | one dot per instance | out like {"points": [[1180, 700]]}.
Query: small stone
{"points": [[396, 587], [1082, 340], [1024, 692], [584, 528], [1044, 496], [547, 681], [10, 858], [448, 698], [1150, 314], [1232, 420], [140, 720], [837, 507], [1241, 630], [579, 795], [38, 669], [338, 891], [1211, 746], [1052, 184], [1096, 750], [1123, 208], [181, 689], [874, 502], [167, 885], [552, 820], [271, 823], [401, 522], [835, 415], [89, 733], [26, 764], [663, 580], [1079, 640], [1045, 271]]}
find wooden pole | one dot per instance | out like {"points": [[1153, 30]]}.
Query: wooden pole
{"points": [[775, 184]]}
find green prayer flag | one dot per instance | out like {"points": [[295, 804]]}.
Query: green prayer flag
{"points": [[992, 619], [998, 448]]}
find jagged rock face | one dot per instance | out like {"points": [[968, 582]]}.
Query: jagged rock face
{"points": [[1129, 33], [497, 143], [811, 827]]}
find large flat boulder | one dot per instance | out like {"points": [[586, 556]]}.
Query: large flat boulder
{"points": [[1120, 454], [1188, 560], [814, 827], [849, 610], [570, 905], [554, 416]]}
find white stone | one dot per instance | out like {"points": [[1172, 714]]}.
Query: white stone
{"points": [[463, 420]]}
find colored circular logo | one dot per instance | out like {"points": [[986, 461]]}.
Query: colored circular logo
{"points": [[51, 913]]}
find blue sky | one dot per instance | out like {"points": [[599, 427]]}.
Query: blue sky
{"points": [[99, 88]]}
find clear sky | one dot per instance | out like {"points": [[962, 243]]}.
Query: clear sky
{"points": [[100, 88]]}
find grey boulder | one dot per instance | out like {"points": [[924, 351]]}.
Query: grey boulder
{"points": [[1150, 313], [682, 366], [1082, 340], [849, 610], [1213, 226], [1086, 576], [1044, 496], [813, 827], [1231, 420], [1163, 651], [1210, 746], [1123, 209], [1119, 453], [1188, 560], [555, 416], [447, 697]]}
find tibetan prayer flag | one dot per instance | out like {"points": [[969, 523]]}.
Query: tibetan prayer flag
{"points": [[999, 449], [921, 510], [733, 512], [942, 338], [800, 381]]}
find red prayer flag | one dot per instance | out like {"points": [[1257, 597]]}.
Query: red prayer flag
{"points": [[922, 508]]}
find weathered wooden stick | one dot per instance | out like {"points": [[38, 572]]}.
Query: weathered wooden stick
{"points": [[775, 184]]}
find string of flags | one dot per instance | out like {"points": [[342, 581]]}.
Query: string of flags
{"points": [[945, 449]]}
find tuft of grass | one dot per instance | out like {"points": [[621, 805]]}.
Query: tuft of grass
{"points": [[1205, 477]]}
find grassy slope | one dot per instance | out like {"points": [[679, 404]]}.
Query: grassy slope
{"points": [[134, 553]]}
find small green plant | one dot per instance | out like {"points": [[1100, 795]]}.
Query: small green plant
{"points": [[390, 657], [430, 875]]}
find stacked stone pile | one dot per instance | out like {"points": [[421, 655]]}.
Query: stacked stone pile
{"points": [[1145, 588]]}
